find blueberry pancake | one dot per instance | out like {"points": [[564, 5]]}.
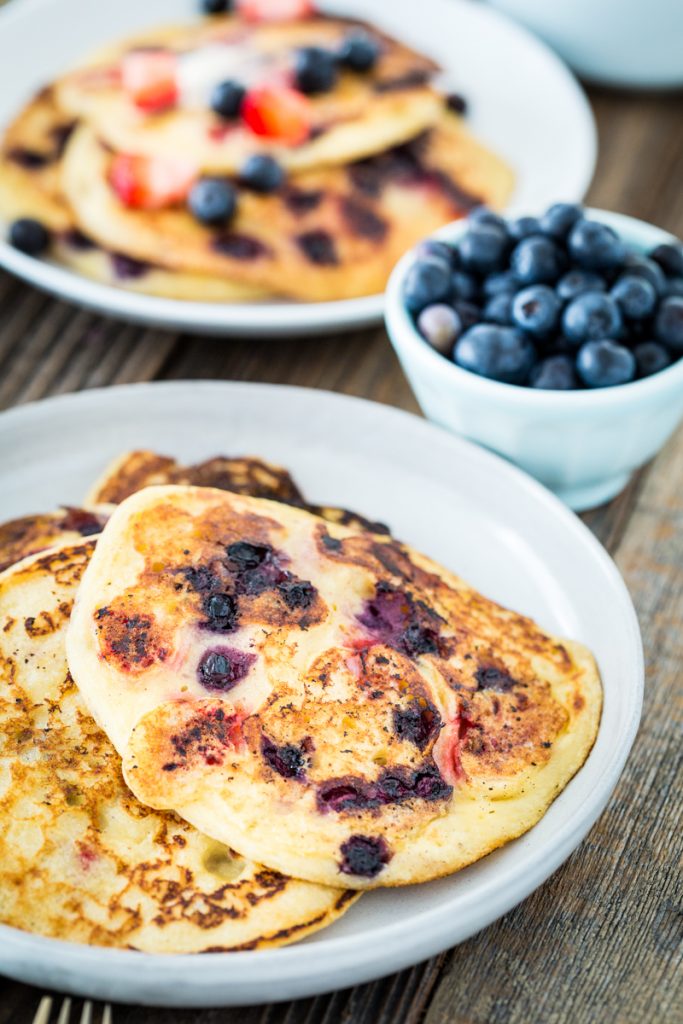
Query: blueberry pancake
{"points": [[80, 858], [132, 471], [27, 535], [155, 95], [30, 186], [30, 164], [326, 701], [332, 233], [242, 475]]}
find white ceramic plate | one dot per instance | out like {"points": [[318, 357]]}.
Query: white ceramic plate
{"points": [[469, 509], [523, 102]]}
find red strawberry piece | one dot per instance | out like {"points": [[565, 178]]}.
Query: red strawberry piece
{"points": [[276, 10], [150, 183], [278, 112], [149, 77]]}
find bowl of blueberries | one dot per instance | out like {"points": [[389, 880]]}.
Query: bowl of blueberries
{"points": [[556, 341]]}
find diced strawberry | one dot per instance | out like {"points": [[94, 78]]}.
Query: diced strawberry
{"points": [[276, 10], [278, 112], [149, 77], [150, 183]]}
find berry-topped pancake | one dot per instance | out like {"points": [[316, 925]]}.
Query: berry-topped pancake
{"points": [[27, 535], [310, 90], [273, 152], [31, 160], [254, 477], [80, 858], [327, 701], [327, 234]]}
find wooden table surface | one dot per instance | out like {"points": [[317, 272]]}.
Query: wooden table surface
{"points": [[602, 939]]}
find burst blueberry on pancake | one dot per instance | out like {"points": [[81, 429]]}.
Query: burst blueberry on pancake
{"points": [[243, 475], [30, 164], [334, 115], [328, 234], [329, 702], [28, 535], [30, 186], [80, 858]]}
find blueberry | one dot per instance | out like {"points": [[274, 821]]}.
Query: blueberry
{"points": [[674, 286], [576, 282], [523, 227], [226, 98], [591, 316], [469, 313], [595, 246], [297, 593], [669, 256], [669, 323], [635, 296], [651, 357], [364, 856], [495, 284], [223, 667], [483, 215], [483, 248], [417, 723], [215, 6], [537, 260], [464, 286], [289, 761], [536, 309], [212, 200], [315, 70], [556, 373], [221, 611], [500, 353], [359, 51], [440, 326], [262, 173], [29, 236], [641, 266], [498, 309], [456, 103], [604, 363], [427, 281], [245, 556], [440, 250], [560, 219]]}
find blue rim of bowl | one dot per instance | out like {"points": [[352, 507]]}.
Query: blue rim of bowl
{"points": [[399, 324]]}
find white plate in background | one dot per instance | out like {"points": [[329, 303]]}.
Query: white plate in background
{"points": [[460, 504], [522, 100]]}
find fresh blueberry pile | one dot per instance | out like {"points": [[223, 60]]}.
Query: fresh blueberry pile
{"points": [[556, 302]]}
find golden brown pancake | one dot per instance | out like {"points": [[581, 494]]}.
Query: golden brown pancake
{"points": [[30, 534], [80, 858], [332, 233], [30, 186], [243, 475], [329, 702], [364, 113]]}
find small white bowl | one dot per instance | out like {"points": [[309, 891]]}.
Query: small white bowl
{"points": [[583, 445]]}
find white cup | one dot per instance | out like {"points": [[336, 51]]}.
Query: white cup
{"points": [[618, 42]]}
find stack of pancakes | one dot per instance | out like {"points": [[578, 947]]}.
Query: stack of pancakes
{"points": [[225, 711], [385, 160]]}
